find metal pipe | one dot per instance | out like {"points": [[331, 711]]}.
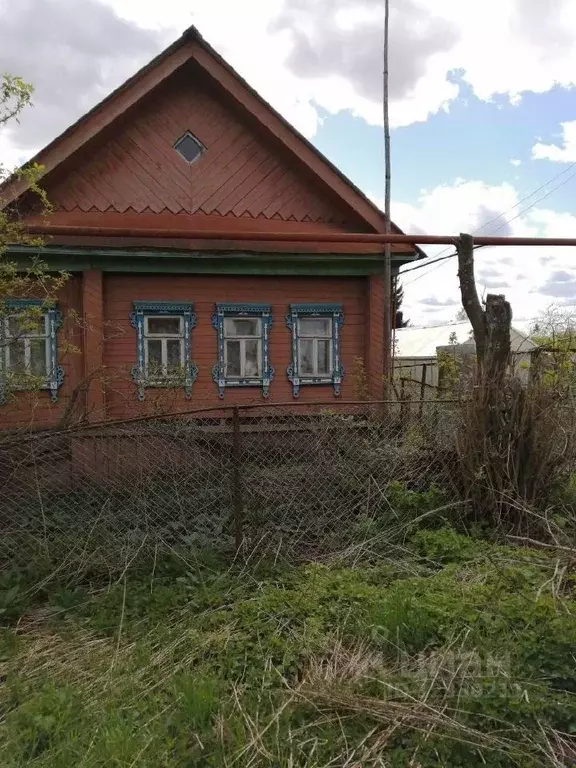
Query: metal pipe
{"points": [[290, 237]]}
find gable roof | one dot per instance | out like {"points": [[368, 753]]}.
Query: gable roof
{"points": [[422, 342], [192, 47]]}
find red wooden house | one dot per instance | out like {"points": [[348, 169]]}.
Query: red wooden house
{"points": [[178, 202]]}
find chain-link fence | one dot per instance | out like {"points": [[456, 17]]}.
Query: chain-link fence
{"points": [[306, 480]]}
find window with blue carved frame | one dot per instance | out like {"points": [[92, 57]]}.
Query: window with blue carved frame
{"points": [[315, 330], [29, 347], [163, 345], [243, 333]]}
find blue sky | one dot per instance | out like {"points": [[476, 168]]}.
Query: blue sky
{"points": [[472, 139], [483, 109]]}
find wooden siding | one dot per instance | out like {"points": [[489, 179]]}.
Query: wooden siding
{"points": [[241, 175], [120, 347]]}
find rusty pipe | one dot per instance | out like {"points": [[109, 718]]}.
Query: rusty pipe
{"points": [[290, 237]]}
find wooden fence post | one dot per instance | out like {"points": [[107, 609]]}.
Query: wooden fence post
{"points": [[403, 406], [237, 495], [422, 391]]}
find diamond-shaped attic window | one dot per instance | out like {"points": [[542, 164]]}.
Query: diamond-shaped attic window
{"points": [[189, 147]]}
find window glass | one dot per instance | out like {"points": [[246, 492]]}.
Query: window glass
{"points": [[251, 363], [240, 326], [242, 346], [233, 359], [164, 326], [188, 147], [173, 354], [307, 357], [26, 326], [17, 355], [155, 351], [323, 356], [27, 352], [315, 326], [38, 357]]}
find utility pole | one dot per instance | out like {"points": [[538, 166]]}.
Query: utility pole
{"points": [[387, 247]]}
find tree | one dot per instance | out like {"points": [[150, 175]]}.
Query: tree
{"points": [[491, 324], [555, 323], [398, 298], [27, 291], [555, 359]]}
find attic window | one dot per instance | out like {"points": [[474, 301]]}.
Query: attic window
{"points": [[189, 147]]}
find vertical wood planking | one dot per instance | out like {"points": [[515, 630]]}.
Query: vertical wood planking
{"points": [[93, 317], [374, 335]]}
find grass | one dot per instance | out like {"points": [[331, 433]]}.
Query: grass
{"points": [[456, 653]]}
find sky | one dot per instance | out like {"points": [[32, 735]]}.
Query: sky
{"points": [[483, 110]]}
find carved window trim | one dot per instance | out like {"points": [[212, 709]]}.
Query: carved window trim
{"points": [[336, 313], [53, 319], [143, 309], [264, 313]]}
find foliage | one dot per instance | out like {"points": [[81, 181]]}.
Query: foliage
{"points": [[465, 662], [15, 94], [360, 379], [398, 298], [32, 279], [515, 450], [449, 370]]}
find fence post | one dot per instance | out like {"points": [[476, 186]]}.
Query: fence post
{"points": [[403, 405], [422, 390], [237, 495]]}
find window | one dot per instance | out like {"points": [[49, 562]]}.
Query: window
{"points": [[242, 347], [28, 347], [189, 147], [315, 345], [243, 355], [163, 345]]}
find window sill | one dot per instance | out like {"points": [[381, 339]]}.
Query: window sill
{"points": [[164, 384], [243, 382], [28, 386]]}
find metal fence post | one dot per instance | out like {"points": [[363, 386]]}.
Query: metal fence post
{"points": [[237, 495]]}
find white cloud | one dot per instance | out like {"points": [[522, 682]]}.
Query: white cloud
{"points": [[302, 55], [505, 47], [566, 153], [524, 274], [515, 162], [240, 33]]}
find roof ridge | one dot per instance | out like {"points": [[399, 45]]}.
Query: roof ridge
{"points": [[374, 220]]}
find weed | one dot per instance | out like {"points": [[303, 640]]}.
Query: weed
{"points": [[467, 663]]}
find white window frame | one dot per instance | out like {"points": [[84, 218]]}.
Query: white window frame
{"points": [[17, 379], [163, 338], [242, 339], [241, 311], [315, 339], [139, 321], [335, 374], [27, 337]]}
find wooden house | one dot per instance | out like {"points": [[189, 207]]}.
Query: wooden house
{"points": [[191, 216]]}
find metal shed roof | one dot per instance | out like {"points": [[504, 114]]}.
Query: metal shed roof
{"points": [[422, 342]]}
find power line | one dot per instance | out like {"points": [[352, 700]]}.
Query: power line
{"points": [[504, 213], [440, 257]]}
